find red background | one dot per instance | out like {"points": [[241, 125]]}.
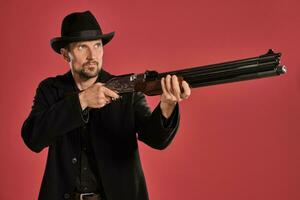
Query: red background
{"points": [[236, 141]]}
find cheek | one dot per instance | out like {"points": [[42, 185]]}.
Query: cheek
{"points": [[100, 55], [78, 61]]}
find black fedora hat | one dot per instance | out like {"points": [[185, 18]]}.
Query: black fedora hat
{"points": [[79, 26]]}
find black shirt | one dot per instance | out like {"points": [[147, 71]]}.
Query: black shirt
{"points": [[87, 180]]}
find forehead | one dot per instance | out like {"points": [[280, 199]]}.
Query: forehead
{"points": [[89, 42]]}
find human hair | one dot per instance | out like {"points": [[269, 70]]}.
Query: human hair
{"points": [[67, 47]]}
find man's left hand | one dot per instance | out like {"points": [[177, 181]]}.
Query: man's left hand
{"points": [[172, 94]]}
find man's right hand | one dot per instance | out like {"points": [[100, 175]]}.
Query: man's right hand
{"points": [[96, 96]]}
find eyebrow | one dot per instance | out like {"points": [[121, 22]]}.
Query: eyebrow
{"points": [[98, 43], [79, 43], [82, 43]]}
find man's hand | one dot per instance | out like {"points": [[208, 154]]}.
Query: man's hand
{"points": [[172, 94], [96, 96]]}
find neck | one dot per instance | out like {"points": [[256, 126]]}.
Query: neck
{"points": [[83, 84]]}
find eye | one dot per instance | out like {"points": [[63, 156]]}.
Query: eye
{"points": [[98, 45], [81, 47]]}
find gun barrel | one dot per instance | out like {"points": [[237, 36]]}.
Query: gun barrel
{"points": [[266, 65]]}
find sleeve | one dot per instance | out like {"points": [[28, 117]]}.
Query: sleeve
{"points": [[50, 119], [153, 128]]}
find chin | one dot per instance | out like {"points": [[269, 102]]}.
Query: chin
{"points": [[91, 75], [85, 75]]}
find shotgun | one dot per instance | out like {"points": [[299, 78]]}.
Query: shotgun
{"points": [[266, 65]]}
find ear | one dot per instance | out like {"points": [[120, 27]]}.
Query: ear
{"points": [[65, 55]]}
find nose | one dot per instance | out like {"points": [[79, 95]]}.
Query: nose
{"points": [[91, 54]]}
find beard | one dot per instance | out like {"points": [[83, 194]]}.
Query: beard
{"points": [[89, 70]]}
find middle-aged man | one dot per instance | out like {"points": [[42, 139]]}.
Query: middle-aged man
{"points": [[91, 133]]}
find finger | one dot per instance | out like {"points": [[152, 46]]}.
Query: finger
{"points": [[108, 100], [168, 84], [169, 90], [163, 86], [109, 93], [104, 101], [104, 91], [186, 90], [165, 93], [99, 84], [175, 87]]}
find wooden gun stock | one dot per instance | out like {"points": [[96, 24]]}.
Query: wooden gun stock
{"points": [[245, 69]]}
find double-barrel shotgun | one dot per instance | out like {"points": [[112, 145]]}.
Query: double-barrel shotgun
{"points": [[266, 65]]}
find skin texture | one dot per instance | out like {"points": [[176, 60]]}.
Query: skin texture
{"points": [[85, 60]]}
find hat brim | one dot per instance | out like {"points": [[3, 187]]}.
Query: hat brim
{"points": [[60, 42]]}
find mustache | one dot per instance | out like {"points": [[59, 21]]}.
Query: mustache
{"points": [[93, 62]]}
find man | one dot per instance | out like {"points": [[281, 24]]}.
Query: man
{"points": [[91, 132]]}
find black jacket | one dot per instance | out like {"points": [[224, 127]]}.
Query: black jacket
{"points": [[55, 119]]}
